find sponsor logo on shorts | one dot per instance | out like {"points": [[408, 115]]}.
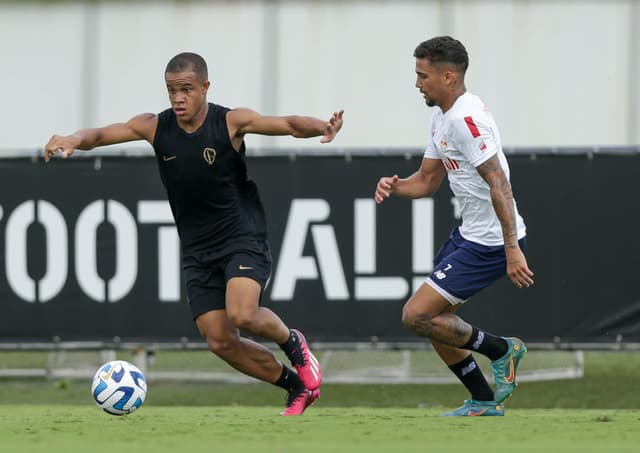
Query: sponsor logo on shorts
{"points": [[440, 274]]}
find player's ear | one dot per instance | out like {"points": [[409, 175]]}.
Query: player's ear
{"points": [[450, 76]]}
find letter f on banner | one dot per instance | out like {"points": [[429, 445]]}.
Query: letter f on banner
{"points": [[293, 266]]}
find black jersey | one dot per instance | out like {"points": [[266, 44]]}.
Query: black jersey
{"points": [[215, 205]]}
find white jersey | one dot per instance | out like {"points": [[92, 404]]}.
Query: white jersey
{"points": [[463, 138]]}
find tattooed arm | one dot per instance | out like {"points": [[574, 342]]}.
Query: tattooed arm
{"points": [[502, 199]]}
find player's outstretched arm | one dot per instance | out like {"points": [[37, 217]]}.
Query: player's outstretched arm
{"points": [[244, 121], [502, 199], [140, 127], [423, 183]]}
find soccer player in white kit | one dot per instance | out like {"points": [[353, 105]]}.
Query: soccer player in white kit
{"points": [[464, 144]]}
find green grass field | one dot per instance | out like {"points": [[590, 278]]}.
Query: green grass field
{"points": [[600, 412], [53, 429]]}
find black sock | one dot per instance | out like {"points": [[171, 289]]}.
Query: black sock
{"points": [[486, 344], [289, 381], [470, 375], [291, 348]]}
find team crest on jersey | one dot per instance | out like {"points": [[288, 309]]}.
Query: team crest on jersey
{"points": [[444, 143], [209, 155]]}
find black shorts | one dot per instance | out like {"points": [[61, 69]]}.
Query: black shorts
{"points": [[206, 277]]}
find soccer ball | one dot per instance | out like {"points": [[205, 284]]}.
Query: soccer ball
{"points": [[119, 387]]}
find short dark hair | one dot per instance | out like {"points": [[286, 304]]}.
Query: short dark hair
{"points": [[444, 49], [188, 61]]}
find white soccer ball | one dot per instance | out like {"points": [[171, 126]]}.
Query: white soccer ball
{"points": [[119, 387]]}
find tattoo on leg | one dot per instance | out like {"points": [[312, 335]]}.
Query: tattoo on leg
{"points": [[422, 326], [450, 329], [445, 328]]}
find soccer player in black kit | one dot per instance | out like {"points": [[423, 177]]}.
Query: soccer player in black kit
{"points": [[200, 152]]}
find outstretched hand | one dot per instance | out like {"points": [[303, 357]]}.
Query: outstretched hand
{"points": [[385, 187], [65, 146], [332, 127]]}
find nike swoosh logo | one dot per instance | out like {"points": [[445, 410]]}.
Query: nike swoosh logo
{"points": [[168, 158], [476, 413], [512, 372], [244, 268]]}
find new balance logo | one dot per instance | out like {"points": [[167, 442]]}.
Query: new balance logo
{"points": [[440, 275], [476, 344], [469, 368]]}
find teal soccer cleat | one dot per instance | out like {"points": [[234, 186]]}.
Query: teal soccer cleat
{"points": [[504, 369], [473, 408]]}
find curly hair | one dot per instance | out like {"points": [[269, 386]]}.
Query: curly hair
{"points": [[189, 61], [444, 49]]}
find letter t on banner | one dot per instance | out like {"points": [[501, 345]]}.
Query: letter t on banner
{"points": [[168, 247]]}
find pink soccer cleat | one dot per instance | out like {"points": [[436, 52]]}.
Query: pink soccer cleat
{"points": [[308, 369], [298, 402]]}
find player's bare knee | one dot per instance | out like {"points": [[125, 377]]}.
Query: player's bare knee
{"points": [[246, 321], [407, 317], [419, 323], [223, 347]]}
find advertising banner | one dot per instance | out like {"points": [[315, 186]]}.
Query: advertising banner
{"points": [[88, 249]]}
